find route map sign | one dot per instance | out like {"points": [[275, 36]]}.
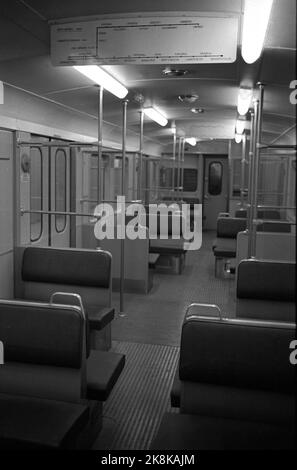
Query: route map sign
{"points": [[145, 39]]}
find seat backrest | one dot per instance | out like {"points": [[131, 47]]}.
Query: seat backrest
{"points": [[85, 272], [162, 224], [44, 350], [237, 353], [262, 214], [266, 280], [228, 227], [269, 226]]}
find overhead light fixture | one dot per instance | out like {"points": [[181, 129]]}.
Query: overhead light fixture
{"points": [[188, 98], [191, 140], [169, 72], [240, 126], [197, 110], [255, 22], [238, 138], [244, 100], [99, 76], [155, 115]]}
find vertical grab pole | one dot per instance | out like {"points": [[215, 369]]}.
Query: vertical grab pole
{"points": [[257, 141], [100, 125], [178, 166], [182, 169], [251, 183], [140, 163], [123, 218], [243, 162], [173, 163]]}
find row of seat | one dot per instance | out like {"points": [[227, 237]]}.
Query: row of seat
{"points": [[43, 271], [225, 244], [237, 386], [168, 248], [58, 369], [265, 291], [53, 373]]}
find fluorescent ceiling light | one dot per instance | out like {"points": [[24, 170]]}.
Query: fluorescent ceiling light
{"points": [[240, 126], [155, 115], [191, 141], [244, 100], [255, 22], [238, 138], [99, 76]]}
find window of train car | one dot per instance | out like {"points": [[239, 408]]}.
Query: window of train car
{"points": [[273, 173], [236, 177], [215, 177], [36, 188], [190, 180], [60, 189]]}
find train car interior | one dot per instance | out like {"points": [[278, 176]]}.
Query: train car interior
{"points": [[148, 225]]}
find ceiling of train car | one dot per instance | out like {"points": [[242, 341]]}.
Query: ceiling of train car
{"points": [[25, 62]]}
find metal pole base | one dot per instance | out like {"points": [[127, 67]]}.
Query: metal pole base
{"points": [[122, 314]]}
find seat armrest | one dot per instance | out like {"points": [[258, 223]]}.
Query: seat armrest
{"points": [[103, 371], [99, 317]]}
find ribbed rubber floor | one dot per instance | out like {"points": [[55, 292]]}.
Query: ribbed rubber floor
{"points": [[156, 318], [135, 407]]}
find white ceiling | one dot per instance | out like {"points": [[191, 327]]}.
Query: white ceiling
{"points": [[25, 62]]}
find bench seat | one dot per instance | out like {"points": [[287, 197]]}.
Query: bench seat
{"points": [[31, 423], [103, 371], [224, 247], [194, 432]]}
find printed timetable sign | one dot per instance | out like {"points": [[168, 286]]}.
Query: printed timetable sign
{"points": [[145, 39]]}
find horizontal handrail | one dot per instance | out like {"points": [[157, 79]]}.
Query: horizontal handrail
{"points": [[275, 221], [136, 201], [74, 214], [109, 150], [275, 207], [267, 146]]}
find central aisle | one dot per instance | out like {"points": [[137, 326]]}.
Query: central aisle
{"points": [[156, 318], [149, 336]]}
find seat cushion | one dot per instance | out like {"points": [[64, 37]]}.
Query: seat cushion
{"points": [[194, 432], [31, 423], [224, 247], [103, 371], [99, 316]]}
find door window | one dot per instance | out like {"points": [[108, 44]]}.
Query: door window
{"points": [[215, 177], [36, 185], [60, 189]]}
